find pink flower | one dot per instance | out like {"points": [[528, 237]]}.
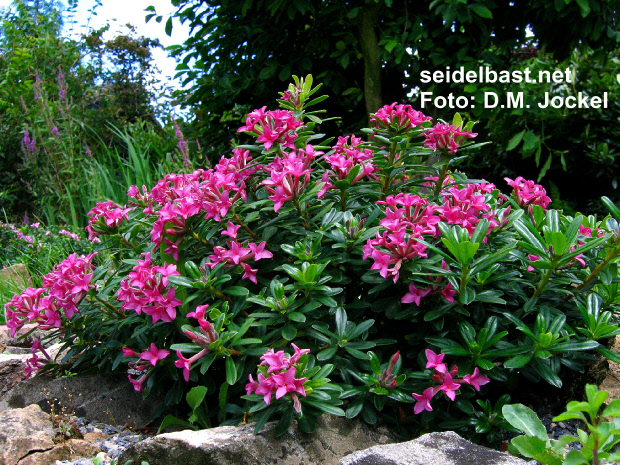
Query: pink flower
{"points": [[448, 293], [272, 127], [144, 290], [154, 354], [251, 386], [435, 361], [445, 137], [231, 230], [532, 258], [476, 379], [414, 295], [184, 363], [276, 360], [137, 383], [423, 401], [398, 117], [449, 387], [127, 352], [529, 193]]}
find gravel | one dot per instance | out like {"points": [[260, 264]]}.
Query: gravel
{"points": [[113, 441]]}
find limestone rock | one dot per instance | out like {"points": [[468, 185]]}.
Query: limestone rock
{"points": [[23, 431], [434, 448], [17, 274], [27, 438], [13, 363], [611, 383], [11, 373], [25, 336], [72, 449], [229, 445], [108, 399]]}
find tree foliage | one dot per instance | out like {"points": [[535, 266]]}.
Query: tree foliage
{"points": [[369, 53], [65, 92]]}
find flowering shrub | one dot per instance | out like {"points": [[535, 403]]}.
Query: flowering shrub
{"points": [[344, 274]]}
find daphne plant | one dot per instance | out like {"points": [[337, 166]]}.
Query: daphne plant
{"points": [[598, 439], [344, 269]]}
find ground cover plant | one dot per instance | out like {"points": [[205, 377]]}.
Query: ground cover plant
{"points": [[38, 248], [363, 276]]}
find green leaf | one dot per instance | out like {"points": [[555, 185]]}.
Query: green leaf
{"points": [[327, 408], [613, 409], [180, 281], [615, 212], [518, 362], [466, 251], [289, 332], [354, 408], [585, 7], [482, 11], [171, 420], [530, 446], [236, 291], [195, 396], [514, 141], [284, 423], [375, 366], [557, 241], [231, 371], [341, 322], [575, 457], [524, 419]]}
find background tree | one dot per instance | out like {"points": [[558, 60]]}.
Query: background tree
{"points": [[368, 53], [60, 99]]}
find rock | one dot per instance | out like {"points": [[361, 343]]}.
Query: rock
{"points": [[13, 363], [25, 336], [434, 448], [611, 381], [17, 274], [22, 431], [11, 373], [72, 449], [334, 438], [108, 399], [27, 437]]}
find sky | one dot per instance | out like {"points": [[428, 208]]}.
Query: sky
{"points": [[120, 12]]}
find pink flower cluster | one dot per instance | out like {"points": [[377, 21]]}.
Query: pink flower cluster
{"points": [[529, 193], [18, 233], [181, 196], [415, 295], [145, 363], [235, 254], [446, 137], [144, 290], [446, 382], [280, 377], [344, 158], [466, 206], [399, 117], [289, 175], [35, 363], [273, 127], [73, 236], [204, 339], [105, 218], [66, 286], [407, 218]]}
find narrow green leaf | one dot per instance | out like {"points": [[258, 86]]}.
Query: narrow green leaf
{"points": [[526, 420], [231, 371]]}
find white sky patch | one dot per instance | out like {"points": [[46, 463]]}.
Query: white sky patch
{"points": [[120, 12]]}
